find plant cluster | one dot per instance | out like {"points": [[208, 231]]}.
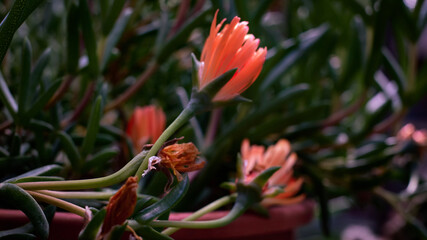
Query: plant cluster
{"points": [[123, 111]]}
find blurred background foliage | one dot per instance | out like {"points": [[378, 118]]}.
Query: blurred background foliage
{"points": [[339, 81]]}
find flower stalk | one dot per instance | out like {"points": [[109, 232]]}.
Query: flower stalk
{"points": [[183, 117], [203, 211], [58, 202], [109, 180]]}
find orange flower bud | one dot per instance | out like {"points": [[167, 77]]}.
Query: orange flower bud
{"points": [[145, 126], [180, 158], [121, 205], [232, 47], [256, 159]]}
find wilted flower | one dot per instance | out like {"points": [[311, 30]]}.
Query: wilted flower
{"points": [[145, 126], [180, 158], [232, 47], [256, 159], [120, 206]]}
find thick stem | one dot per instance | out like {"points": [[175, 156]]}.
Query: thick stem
{"points": [[193, 121], [185, 115], [59, 203], [341, 114], [84, 194], [389, 122], [68, 79], [114, 178], [237, 210], [77, 195], [206, 209], [213, 127], [79, 109]]}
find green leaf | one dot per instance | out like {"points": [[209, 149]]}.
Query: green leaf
{"points": [[15, 145], [21, 9], [40, 125], [92, 128], [17, 236], [382, 18], [42, 100], [72, 38], [23, 201], [45, 170], [242, 9], [181, 35], [303, 130], [422, 16], [355, 58], [37, 72], [38, 179], [14, 163], [7, 98], [260, 10], [116, 232], [407, 22], [70, 149], [99, 159], [307, 41], [362, 165], [165, 204], [287, 95], [24, 85], [213, 87], [23, 232], [278, 123], [115, 35], [194, 71], [113, 13], [88, 37], [262, 178], [269, 107], [395, 70], [93, 227]]}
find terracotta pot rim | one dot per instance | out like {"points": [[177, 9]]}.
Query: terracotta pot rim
{"points": [[281, 219]]}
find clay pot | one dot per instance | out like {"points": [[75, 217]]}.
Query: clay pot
{"points": [[281, 224]]}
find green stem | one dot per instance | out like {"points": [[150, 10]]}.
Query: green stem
{"points": [[114, 178], [59, 203], [77, 195], [237, 210], [84, 195], [183, 117], [206, 209]]}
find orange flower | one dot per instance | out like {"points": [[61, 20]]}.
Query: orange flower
{"points": [[145, 126], [409, 132], [256, 159], [232, 47], [120, 206], [180, 158]]}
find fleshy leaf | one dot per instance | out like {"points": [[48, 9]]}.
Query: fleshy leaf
{"points": [[92, 127], [93, 227], [165, 204], [45, 170], [20, 199]]}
